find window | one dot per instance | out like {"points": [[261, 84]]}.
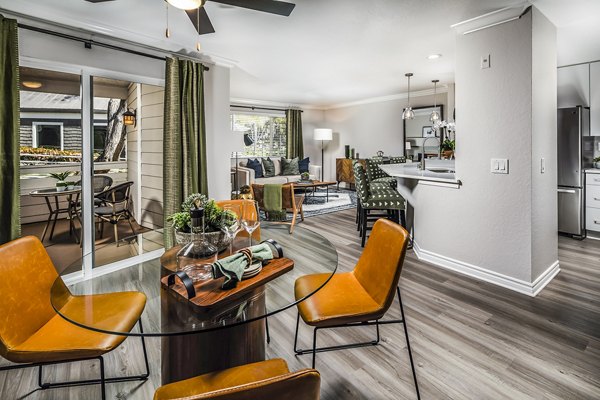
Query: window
{"points": [[99, 137], [48, 135], [262, 135]]}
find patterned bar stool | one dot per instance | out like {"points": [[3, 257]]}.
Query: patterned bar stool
{"points": [[377, 175], [376, 201]]}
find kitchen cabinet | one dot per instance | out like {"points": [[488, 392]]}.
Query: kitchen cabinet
{"points": [[574, 86], [595, 99]]}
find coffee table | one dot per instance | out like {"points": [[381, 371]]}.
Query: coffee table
{"points": [[314, 185]]}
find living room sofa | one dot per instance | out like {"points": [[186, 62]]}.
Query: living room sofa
{"points": [[246, 176]]}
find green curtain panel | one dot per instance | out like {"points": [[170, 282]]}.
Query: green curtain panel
{"points": [[10, 224], [184, 144], [295, 147]]}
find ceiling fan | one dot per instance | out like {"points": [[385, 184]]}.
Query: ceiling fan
{"points": [[197, 14]]}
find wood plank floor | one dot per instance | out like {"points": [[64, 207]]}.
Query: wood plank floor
{"points": [[470, 340]]}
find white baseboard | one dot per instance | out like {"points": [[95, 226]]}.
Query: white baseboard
{"points": [[518, 285]]}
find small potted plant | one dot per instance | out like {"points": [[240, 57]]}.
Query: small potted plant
{"points": [[214, 219], [597, 162], [60, 177], [448, 148], [305, 176]]}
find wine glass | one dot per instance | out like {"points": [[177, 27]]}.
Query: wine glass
{"points": [[232, 226], [250, 218]]}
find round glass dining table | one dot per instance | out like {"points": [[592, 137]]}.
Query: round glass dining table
{"points": [[198, 341]]}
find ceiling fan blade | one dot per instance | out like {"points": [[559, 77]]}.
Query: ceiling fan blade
{"points": [[268, 6], [205, 24], [97, 1]]}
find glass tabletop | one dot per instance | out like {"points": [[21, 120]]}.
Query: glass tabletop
{"points": [[167, 313]]}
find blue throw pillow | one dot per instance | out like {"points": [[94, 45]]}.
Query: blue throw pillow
{"points": [[303, 165], [256, 166]]}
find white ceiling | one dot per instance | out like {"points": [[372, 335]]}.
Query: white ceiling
{"points": [[328, 51]]}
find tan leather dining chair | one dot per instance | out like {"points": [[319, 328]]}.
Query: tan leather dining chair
{"points": [[269, 379], [32, 334], [360, 297]]}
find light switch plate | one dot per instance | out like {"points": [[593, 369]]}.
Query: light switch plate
{"points": [[543, 166], [499, 166], [485, 61]]}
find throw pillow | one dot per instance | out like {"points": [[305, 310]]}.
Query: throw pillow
{"points": [[269, 167], [303, 165], [256, 166], [289, 167]]}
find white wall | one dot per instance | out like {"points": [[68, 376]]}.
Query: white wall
{"points": [[502, 226], [544, 125], [369, 128], [219, 138]]}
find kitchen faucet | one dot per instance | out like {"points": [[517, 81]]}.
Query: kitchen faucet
{"points": [[422, 163]]}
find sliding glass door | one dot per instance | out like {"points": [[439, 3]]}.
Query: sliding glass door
{"points": [[91, 168]]}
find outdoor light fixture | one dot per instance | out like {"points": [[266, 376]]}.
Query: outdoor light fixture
{"points": [[408, 112], [186, 4], [129, 117], [435, 116]]}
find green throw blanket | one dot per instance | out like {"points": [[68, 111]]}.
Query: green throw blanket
{"points": [[273, 202], [233, 267]]}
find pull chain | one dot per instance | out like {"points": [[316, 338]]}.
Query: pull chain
{"points": [[198, 24], [167, 31]]}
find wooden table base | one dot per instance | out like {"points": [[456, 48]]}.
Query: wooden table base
{"points": [[186, 356]]}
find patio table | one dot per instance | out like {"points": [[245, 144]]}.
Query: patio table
{"points": [[55, 210]]}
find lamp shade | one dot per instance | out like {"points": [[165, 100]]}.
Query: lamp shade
{"points": [[408, 146], [323, 134]]}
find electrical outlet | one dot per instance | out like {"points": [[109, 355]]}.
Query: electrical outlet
{"points": [[485, 61], [499, 166]]}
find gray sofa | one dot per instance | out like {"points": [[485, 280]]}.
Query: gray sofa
{"points": [[246, 176]]}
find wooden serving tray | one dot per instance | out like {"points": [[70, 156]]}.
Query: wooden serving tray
{"points": [[209, 293]]}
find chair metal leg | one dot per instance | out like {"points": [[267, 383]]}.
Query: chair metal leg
{"points": [[267, 329], [412, 365], [102, 378], [403, 218], [314, 348], [363, 228], [296, 334], [102, 381]]}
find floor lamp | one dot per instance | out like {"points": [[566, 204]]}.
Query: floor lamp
{"points": [[324, 135]]}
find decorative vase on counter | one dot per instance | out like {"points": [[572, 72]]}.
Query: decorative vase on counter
{"points": [[352, 153], [217, 239], [347, 151]]}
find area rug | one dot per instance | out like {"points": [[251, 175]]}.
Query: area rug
{"points": [[317, 204]]}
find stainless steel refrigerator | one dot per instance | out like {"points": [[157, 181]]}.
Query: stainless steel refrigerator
{"points": [[575, 154]]}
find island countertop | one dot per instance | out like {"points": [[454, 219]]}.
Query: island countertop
{"points": [[441, 171]]}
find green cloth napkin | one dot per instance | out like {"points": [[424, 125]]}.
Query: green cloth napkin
{"points": [[233, 267], [273, 202]]}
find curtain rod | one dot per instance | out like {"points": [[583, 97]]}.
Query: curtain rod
{"points": [[88, 43], [261, 108]]}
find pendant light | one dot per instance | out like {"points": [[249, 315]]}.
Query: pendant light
{"points": [[435, 116], [408, 112]]}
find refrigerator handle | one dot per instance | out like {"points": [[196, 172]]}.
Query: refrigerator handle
{"points": [[572, 191]]}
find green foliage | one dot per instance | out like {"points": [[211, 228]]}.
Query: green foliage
{"points": [[597, 159], [448, 145], [60, 176], [214, 216]]}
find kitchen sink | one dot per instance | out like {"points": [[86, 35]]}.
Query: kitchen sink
{"points": [[440, 170]]}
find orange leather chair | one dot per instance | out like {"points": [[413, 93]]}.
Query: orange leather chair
{"points": [[32, 334], [269, 379], [256, 233], [360, 297]]}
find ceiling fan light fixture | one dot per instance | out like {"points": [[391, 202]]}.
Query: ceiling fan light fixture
{"points": [[186, 4], [32, 84]]}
